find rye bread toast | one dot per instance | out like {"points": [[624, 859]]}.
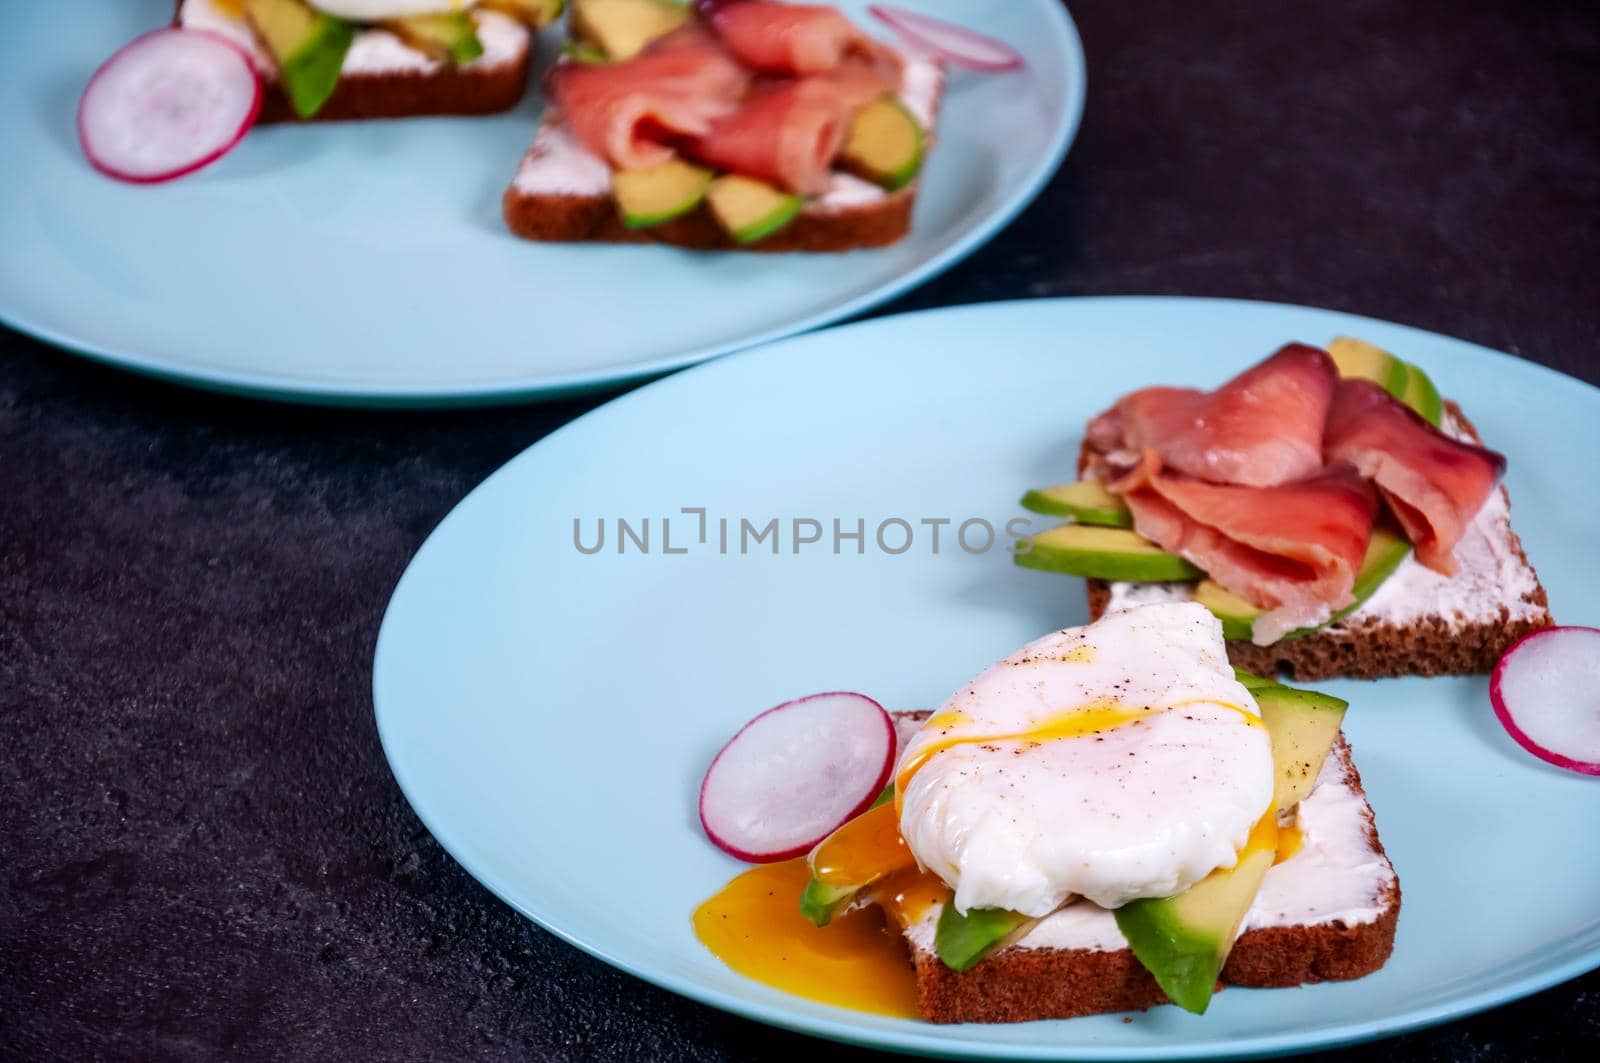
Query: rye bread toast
{"points": [[561, 194], [413, 87], [1368, 644], [1280, 947]]}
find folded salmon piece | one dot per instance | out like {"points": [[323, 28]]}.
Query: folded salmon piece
{"points": [[790, 133], [1292, 549], [1263, 427], [1434, 484], [632, 113], [780, 38]]}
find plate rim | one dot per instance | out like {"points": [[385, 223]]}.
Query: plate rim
{"points": [[514, 390], [914, 1041]]}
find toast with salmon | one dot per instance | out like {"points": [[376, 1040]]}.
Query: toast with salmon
{"points": [[468, 59], [1338, 516], [755, 125], [1325, 913]]}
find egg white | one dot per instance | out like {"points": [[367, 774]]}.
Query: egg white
{"points": [[1143, 809]]}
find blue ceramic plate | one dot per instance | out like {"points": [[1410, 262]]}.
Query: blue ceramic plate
{"points": [[367, 263], [550, 713]]}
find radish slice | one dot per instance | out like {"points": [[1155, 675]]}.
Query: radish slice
{"points": [[1546, 691], [167, 104], [795, 774], [948, 41]]}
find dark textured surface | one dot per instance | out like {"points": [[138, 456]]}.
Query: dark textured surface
{"points": [[204, 853]]}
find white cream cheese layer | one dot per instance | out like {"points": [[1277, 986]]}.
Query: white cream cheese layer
{"points": [[374, 51], [557, 165], [1114, 761], [1492, 585], [1336, 876]]}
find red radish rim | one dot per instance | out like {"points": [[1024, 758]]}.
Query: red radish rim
{"points": [[1503, 713], [789, 854], [944, 39], [187, 168]]}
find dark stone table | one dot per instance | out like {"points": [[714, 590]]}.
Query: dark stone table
{"points": [[204, 853]]}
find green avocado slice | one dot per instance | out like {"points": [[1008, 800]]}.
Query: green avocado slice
{"points": [[1184, 940], [1360, 360], [1103, 553], [309, 48], [751, 210], [1303, 725], [660, 193], [963, 940], [885, 144], [449, 38], [622, 28], [1086, 501]]}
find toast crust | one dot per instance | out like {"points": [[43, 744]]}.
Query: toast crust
{"points": [[451, 90], [1021, 985], [409, 94], [1373, 649], [594, 219]]}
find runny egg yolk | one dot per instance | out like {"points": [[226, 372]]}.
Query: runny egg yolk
{"points": [[1289, 841], [857, 961], [863, 850]]}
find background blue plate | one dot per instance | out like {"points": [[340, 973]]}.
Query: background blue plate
{"points": [[368, 263], [549, 714]]}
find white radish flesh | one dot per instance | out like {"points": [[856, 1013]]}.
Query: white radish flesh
{"points": [[1546, 692], [167, 104], [795, 774]]}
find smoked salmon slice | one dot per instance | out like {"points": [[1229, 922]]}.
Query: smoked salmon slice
{"points": [[1434, 484], [790, 133], [783, 135], [632, 113], [1262, 428], [1292, 549], [781, 38]]}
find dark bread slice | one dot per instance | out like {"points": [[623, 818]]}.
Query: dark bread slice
{"points": [[1368, 648], [571, 218], [474, 89], [1022, 984]]}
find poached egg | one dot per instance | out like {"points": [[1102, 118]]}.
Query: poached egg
{"points": [[1114, 761]]}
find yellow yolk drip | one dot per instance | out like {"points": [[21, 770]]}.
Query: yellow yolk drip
{"points": [[234, 8], [1289, 842], [909, 893], [1074, 723], [1264, 836], [863, 850], [857, 961]]}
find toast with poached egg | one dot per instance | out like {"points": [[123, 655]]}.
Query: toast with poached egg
{"points": [[1111, 818], [334, 60]]}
